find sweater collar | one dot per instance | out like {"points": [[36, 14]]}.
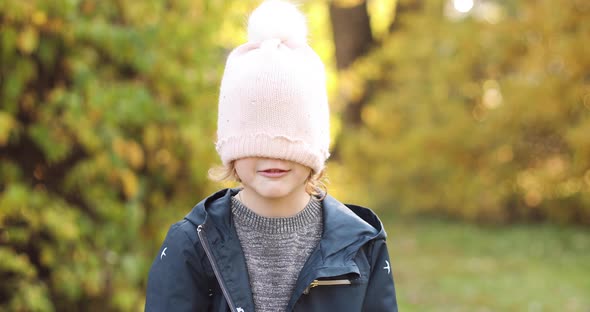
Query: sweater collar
{"points": [[346, 227], [244, 216]]}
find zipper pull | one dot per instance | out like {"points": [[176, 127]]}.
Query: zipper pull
{"points": [[316, 283], [313, 284]]}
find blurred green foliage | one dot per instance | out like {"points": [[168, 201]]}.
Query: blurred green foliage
{"points": [[107, 123], [484, 115]]}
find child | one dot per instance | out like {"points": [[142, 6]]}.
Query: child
{"points": [[279, 243]]}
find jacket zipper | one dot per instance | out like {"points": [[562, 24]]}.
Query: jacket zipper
{"points": [[204, 243], [316, 283]]}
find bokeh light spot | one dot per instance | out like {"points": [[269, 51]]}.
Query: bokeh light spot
{"points": [[463, 6]]}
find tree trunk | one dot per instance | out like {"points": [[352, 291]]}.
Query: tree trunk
{"points": [[351, 27], [352, 32]]}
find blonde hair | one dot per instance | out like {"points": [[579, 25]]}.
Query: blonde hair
{"points": [[314, 184]]}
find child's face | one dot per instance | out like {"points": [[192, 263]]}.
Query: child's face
{"points": [[272, 178]]}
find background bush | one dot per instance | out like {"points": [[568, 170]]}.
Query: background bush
{"points": [[106, 126], [482, 116]]}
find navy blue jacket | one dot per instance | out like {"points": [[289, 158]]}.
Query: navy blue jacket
{"points": [[201, 266]]}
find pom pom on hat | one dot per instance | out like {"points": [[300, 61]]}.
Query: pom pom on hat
{"points": [[275, 19]]}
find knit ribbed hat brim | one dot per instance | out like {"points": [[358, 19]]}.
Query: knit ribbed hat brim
{"points": [[271, 147]]}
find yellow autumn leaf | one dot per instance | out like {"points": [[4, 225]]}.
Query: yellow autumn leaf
{"points": [[134, 155], [7, 124], [129, 182], [151, 137], [39, 18], [118, 146], [28, 40], [130, 151]]}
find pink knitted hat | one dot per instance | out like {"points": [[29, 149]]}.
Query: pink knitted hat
{"points": [[273, 100]]}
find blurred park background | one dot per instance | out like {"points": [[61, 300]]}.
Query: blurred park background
{"points": [[464, 123]]}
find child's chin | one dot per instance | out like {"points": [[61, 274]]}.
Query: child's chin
{"points": [[273, 192]]}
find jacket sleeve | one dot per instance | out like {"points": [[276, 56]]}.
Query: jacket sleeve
{"points": [[380, 295], [177, 281]]}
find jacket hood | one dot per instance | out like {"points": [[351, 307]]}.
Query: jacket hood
{"points": [[349, 225]]}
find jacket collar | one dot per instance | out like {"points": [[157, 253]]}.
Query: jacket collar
{"points": [[346, 227], [214, 210]]}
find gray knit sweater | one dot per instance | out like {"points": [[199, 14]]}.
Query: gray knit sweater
{"points": [[276, 249]]}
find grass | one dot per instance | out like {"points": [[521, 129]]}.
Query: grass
{"points": [[452, 266]]}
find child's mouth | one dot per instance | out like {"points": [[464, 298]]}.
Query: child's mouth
{"points": [[273, 172]]}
